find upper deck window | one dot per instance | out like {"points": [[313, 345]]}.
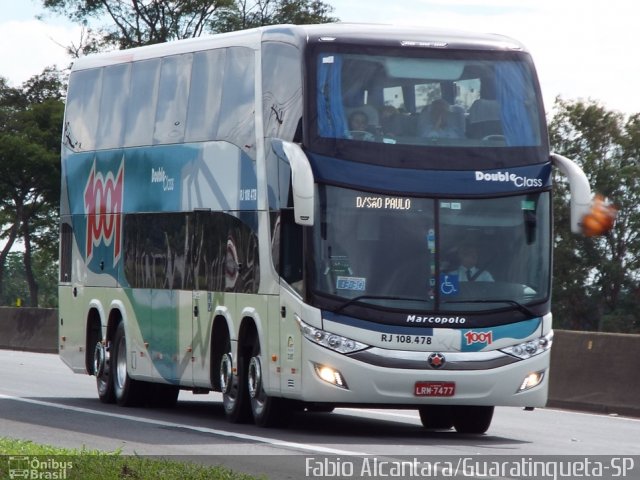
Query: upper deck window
{"points": [[189, 97], [420, 98]]}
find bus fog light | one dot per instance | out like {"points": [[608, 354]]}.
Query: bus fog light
{"points": [[532, 380], [330, 375]]}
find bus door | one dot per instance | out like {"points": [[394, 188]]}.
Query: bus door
{"points": [[291, 342], [202, 326]]}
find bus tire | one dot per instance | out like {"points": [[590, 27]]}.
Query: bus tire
{"points": [[436, 417], [472, 419], [267, 411], [234, 387], [104, 378], [128, 392]]}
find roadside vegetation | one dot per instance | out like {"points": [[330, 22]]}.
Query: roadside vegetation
{"points": [[19, 457]]}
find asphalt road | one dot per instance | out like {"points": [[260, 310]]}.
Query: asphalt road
{"points": [[43, 401]]}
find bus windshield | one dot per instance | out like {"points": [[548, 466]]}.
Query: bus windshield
{"points": [[467, 255], [488, 100]]}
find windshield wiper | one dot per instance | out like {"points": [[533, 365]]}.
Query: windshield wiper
{"points": [[353, 300], [522, 308]]}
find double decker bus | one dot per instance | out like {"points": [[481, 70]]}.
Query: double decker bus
{"points": [[306, 217]]}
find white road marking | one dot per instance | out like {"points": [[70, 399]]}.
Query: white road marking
{"points": [[212, 431]]}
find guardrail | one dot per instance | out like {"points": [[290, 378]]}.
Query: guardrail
{"points": [[29, 329], [595, 372], [589, 370]]}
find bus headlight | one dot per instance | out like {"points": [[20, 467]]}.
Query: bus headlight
{"points": [[531, 348], [334, 342], [330, 375], [532, 380]]}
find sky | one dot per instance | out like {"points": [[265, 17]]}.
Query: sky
{"points": [[583, 49]]}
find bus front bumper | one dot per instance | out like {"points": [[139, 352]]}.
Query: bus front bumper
{"points": [[476, 379]]}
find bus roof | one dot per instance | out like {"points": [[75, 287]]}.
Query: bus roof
{"points": [[356, 33]]}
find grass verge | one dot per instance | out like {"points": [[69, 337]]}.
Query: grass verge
{"points": [[24, 459]]}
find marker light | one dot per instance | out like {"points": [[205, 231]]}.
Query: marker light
{"points": [[332, 341], [600, 217], [330, 375], [531, 348], [531, 380]]}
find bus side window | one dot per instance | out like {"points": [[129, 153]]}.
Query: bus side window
{"points": [[237, 113], [204, 98], [113, 105], [171, 110], [141, 110], [66, 245], [291, 250], [83, 109], [281, 90]]}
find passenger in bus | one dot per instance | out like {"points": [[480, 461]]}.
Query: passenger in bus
{"points": [[484, 117], [440, 120], [358, 125], [468, 270], [391, 121]]}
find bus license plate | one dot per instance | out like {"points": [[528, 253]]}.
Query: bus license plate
{"points": [[435, 389]]}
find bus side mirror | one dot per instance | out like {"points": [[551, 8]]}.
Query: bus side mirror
{"points": [[589, 217], [580, 189], [302, 183]]}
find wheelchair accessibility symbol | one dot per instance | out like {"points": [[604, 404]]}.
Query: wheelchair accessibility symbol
{"points": [[449, 284]]}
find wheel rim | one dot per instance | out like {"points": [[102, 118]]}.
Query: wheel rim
{"points": [[255, 377], [254, 385], [226, 373], [228, 384], [99, 360], [121, 364]]}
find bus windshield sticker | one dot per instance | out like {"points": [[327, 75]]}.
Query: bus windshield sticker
{"points": [[451, 205], [339, 265], [351, 283], [449, 284], [431, 244]]}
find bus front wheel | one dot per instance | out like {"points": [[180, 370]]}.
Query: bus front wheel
{"points": [[436, 417], [472, 419]]}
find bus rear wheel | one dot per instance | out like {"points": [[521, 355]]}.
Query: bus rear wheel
{"points": [[267, 411], [233, 386], [472, 419], [102, 371], [128, 392]]}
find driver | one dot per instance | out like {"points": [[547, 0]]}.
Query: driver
{"points": [[468, 271]]}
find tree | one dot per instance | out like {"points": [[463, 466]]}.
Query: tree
{"points": [[136, 22], [30, 172], [256, 13], [597, 280], [144, 22]]}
